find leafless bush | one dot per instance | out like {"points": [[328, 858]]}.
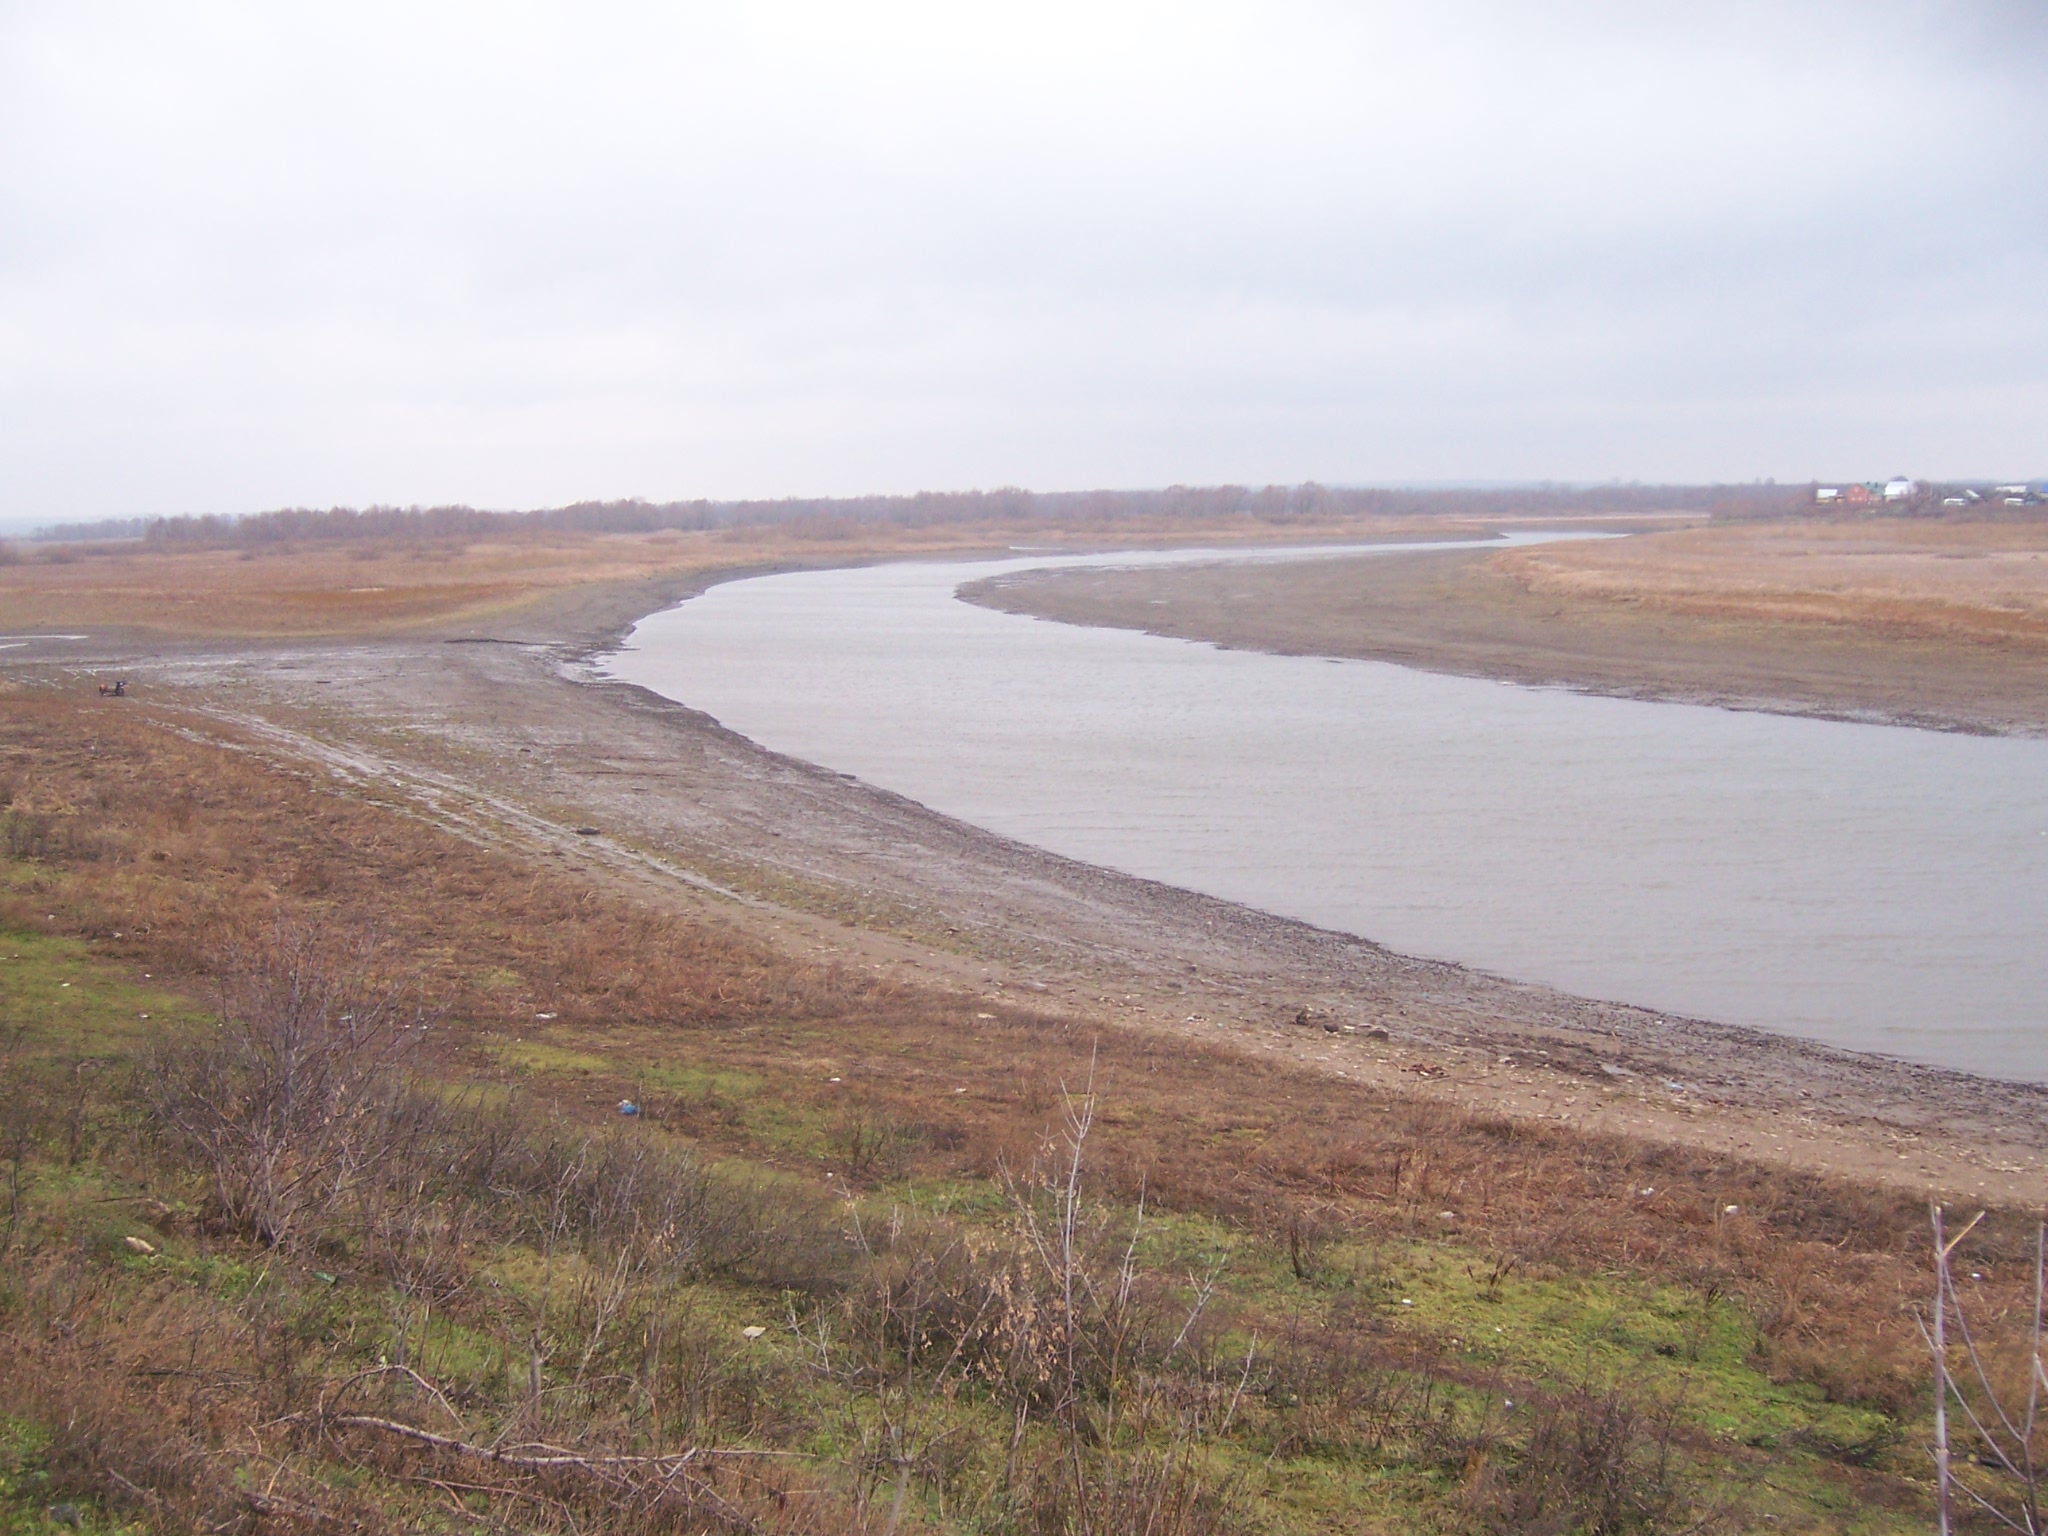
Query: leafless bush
{"points": [[1307, 1232], [871, 1144], [40, 835], [704, 1381], [625, 1191], [299, 1114], [1166, 1490], [1990, 1445], [25, 1120], [1593, 1464], [298, 1101], [1112, 1348], [1328, 1390], [106, 1446], [1104, 1363]]}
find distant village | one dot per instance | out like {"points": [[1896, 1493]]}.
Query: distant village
{"points": [[1899, 494]]}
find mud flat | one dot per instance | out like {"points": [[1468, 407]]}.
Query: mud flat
{"points": [[508, 736], [1936, 625]]}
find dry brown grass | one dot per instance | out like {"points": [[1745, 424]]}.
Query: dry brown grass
{"points": [[371, 587], [1978, 581], [383, 586]]}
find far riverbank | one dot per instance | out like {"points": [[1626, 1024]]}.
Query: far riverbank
{"points": [[1952, 660]]}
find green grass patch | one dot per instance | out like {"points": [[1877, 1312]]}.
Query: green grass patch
{"points": [[690, 1081], [27, 1505], [1670, 1344], [542, 1059], [63, 1001]]}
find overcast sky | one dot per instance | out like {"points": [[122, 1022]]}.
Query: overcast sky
{"points": [[257, 256]]}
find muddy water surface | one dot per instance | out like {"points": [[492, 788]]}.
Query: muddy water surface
{"points": [[1876, 887]]}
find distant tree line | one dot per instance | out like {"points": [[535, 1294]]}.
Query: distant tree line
{"points": [[1277, 504]]}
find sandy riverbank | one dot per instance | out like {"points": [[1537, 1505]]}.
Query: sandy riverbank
{"points": [[506, 735], [1936, 625]]}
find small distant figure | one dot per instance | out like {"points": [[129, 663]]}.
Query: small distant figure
{"points": [[117, 690], [628, 1107]]}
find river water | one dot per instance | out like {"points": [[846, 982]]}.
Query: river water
{"points": [[1876, 887]]}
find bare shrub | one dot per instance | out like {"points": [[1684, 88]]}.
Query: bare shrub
{"points": [[40, 835], [703, 1381], [105, 1445], [1113, 1352], [872, 1145], [1990, 1442], [1167, 1490], [1593, 1464], [1307, 1232], [1329, 1390], [626, 1192], [25, 1120], [1105, 1364], [297, 1102]]}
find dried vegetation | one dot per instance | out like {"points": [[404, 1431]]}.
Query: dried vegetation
{"points": [[1980, 581]]}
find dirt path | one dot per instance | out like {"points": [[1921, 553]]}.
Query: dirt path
{"points": [[1474, 612], [512, 738]]}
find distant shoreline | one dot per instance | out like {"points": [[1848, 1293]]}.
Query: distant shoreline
{"points": [[1461, 611]]}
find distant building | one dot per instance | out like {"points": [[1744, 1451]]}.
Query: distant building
{"points": [[1955, 501], [1898, 488], [2008, 490], [1823, 494], [1858, 496]]}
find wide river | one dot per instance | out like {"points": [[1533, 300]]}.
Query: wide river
{"points": [[1876, 887]]}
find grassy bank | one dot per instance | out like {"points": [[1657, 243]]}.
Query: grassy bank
{"points": [[502, 574], [320, 1210], [1936, 624]]}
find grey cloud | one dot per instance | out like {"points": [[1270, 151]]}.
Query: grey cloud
{"points": [[250, 256]]}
